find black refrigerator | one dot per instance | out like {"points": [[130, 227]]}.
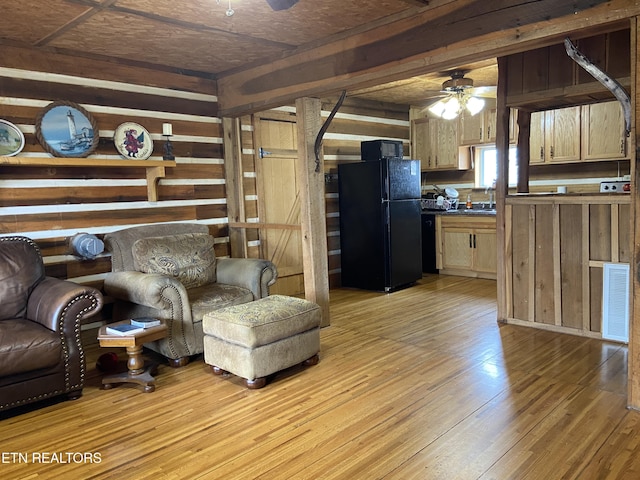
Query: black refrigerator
{"points": [[380, 229]]}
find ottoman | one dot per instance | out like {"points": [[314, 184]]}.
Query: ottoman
{"points": [[259, 338]]}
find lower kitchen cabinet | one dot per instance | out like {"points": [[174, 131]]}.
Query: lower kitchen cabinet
{"points": [[466, 245]]}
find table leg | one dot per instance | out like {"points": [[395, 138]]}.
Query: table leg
{"points": [[136, 372]]}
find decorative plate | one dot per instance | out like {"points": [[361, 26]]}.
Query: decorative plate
{"points": [[133, 141], [65, 129], [11, 139]]}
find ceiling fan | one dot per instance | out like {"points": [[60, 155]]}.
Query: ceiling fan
{"points": [[460, 94], [281, 4], [274, 4]]}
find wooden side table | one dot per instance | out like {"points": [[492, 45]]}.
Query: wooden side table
{"points": [[136, 372]]}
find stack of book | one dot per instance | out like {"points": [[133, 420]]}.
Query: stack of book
{"points": [[136, 325]]}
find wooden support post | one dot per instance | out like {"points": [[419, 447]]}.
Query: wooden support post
{"points": [[234, 188], [524, 133], [633, 390], [502, 186], [312, 211]]}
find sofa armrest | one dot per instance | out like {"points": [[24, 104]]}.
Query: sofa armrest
{"points": [[60, 305], [254, 274], [148, 289]]}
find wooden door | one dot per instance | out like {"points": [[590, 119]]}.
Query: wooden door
{"points": [[536, 138], [472, 128], [421, 142], [486, 250], [603, 131], [279, 201], [457, 244], [446, 143], [563, 135]]}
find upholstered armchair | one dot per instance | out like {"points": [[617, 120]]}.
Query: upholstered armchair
{"points": [[170, 272], [41, 353]]}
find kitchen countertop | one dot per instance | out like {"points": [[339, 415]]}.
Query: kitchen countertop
{"points": [[463, 211]]}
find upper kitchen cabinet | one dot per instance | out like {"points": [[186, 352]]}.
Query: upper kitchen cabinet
{"points": [[481, 128], [434, 142], [555, 136], [603, 135], [547, 78], [587, 133]]}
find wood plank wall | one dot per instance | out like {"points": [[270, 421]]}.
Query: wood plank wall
{"points": [[356, 121], [51, 204], [559, 246]]}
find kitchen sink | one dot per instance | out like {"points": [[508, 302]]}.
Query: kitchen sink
{"points": [[472, 211]]}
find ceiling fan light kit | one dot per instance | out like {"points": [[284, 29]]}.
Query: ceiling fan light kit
{"points": [[458, 98]]}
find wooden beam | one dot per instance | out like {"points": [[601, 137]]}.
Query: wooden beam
{"points": [[312, 212], [524, 132], [502, 187], [633, 388], [430, 41], [233, 185]]}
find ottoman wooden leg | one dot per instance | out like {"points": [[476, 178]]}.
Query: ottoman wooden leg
{"points": [[218, 370], [256, 383]]}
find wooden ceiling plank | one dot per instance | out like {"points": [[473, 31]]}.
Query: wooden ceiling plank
{"points": [[75, 22], [360, 62]]}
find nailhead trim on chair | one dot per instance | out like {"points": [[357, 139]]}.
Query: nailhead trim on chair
{"points": [[170, 338]]}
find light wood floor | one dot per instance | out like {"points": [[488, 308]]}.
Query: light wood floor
{"points": [[422, 383]]}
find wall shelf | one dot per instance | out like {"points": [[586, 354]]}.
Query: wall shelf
{"points": [[154, 168]]}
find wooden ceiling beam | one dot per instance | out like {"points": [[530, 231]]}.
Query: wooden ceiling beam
{"points": [[436, 39]]}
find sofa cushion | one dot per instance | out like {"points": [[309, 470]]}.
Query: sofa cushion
{"points": [[216, 296], [27, 346], [189, 257], [21, 269]]}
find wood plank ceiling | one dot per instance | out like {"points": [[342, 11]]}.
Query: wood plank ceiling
{"points": [[197, 37]]}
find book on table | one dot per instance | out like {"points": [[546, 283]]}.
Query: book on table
{"points": [[145, 322], [124, 329]]}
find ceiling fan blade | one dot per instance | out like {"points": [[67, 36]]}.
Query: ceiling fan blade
{"points": [[281, 4], [486, 92]]}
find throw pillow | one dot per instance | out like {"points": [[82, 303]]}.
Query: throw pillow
{"points": [[189, 257]]}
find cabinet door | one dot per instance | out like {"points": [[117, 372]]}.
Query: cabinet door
{"points": [[536, 138], [446, 133], [421, 142], [457, 252], [486, 251], [490, 120], [603, 131], [471, 128], [562, 137]]}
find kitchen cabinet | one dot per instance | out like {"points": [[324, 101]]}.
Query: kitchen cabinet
{"points": [[481, 128], [466, 245], [435, 144], [474, 129], [603, 135], [555, 136]]}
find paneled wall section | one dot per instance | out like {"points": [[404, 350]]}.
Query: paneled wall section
{"points": [[51, 204]]}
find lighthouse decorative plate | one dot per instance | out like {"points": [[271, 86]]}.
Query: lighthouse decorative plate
{"points": [[133, 141], [11, 139], [65, 129]]}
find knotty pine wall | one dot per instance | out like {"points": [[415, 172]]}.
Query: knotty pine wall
{"points": [[52, 204]]}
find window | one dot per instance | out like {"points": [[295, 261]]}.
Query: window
{"points": [[487, 166]]}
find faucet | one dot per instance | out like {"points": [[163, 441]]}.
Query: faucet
{"points": [[489, 190]]}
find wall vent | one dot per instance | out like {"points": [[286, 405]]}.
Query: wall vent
{"points": [[615, 302]]}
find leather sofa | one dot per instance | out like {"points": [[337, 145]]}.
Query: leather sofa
{"points": [[41, 353], [170, 272]]}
